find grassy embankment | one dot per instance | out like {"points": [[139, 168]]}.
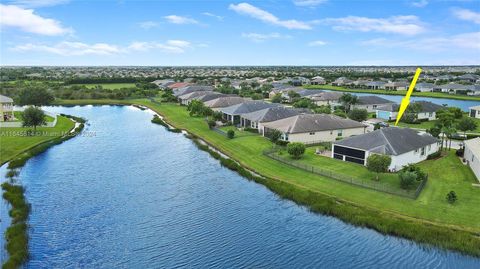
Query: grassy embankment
{"points": [[429, 124], [428, 219], [19, 116], [402, 93], [109, 86]]}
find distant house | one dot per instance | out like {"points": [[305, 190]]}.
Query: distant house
{"points": [[6, 108], [327, 98], [233, 113], [473, 90], [313, 128], [424, 87], [469, 78], [472, 155], [318, 81], [300, 81], [390, 111], [163, 83], [177, 85], [257, 118], [371, 102], [474, 112], [193, 88], [185, 99], [397, 86], [405, 146], [375, 85], [224, 101], [451, 88], [342, 81]]}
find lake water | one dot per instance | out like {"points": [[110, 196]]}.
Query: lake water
{"points": [[137, 196], [462, 104]]}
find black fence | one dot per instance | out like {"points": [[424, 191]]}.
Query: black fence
{"points": [[364, 183]]}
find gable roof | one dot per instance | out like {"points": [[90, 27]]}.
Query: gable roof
{"points": [[224, 101], [305, 123], [5, 99], [270, 114], [326, 96], [389, 141], [372, 100], [190, 89], [247, 107], [426, 107]]}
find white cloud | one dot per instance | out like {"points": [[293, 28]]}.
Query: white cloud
{"points": [[220, 18], [27, 21], [180, 20], [148, 24], [405, 25], [469, 41], [308, 3], [264, 37], [265, 16], [317, 43], [467, 15], [38, 3], [66, 48], [420, 3]]}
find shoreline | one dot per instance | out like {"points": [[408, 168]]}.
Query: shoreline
{"points": [[465, 240], [397, 93]]}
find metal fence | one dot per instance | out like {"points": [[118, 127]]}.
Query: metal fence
{"points": [[365, 183]]}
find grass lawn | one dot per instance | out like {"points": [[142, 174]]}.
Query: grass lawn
{"points": [[238, 133], [421, 94], [445, 174], [19, 116], [110, 86], [13, 141], [430, 124]]}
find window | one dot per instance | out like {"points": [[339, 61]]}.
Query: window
{"points": [[430, 114], [429, 147], [312, 133], [423, 151], [339, 133], [374, 106], [416, 151], [331, 132]]}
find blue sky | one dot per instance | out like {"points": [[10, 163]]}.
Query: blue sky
{"points": [[290, 32]]}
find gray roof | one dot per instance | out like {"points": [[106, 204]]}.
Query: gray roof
{"points": [[305, 123], [247, 107], [304, 93], [270, 114], [452, 86], [375, 83], [192, 95], [189, 89], [327, 96], [5, 99], [424, 85], [372, 100], [225, 101], [210, 96], [389, 141], [426, 107]]}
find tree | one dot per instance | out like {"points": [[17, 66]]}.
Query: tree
{"points": [[36, 96], [33, 116], [445, 122], [197, 108], [340, 113], [378, 163], [451, 197], [293, 95], [415, 169], [348, 100], [277, 98], [434, 131], [325, 109], [466, 124], [407, 179], [411, 113], [230, 134], [211, 123], [296, 149], [275, 135], [305, 103], [376, 126], [358, 114]]}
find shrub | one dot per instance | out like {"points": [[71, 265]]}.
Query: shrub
{"points": [[296, 150], [230, 134], [274, 136], [407, 179], [415, 169], [378, 163], [434, 155], [451, 197], [211, 123], [12, 173], [251, 130], [282, 143], [277, 98], [459, 152], [358, 114]]}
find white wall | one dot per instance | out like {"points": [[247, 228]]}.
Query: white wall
{"points": [[426, 115], [473, 161], [412, 157], [324, 135]]}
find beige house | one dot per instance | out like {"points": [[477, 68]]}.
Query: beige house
{"points": [[314, 128], [6, 108]]}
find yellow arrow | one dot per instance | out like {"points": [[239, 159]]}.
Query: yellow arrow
{"points": [[406, 100]]}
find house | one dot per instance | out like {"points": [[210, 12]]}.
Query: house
{"points": [[318, 81], [397, 86], [472, 155], [375, 85], [6, 108], [185, 99], [451, 88], [474, 112], [177, 85], [300, 81], [163, 83], [225, 101], [371, 102], [233, 113], [424, 87], [257, 118], [390, 111], [469, 78], [193, 88], [341, 81], [405, 146], [473, 90], [314, 128], [327, 98], [210, 96]]}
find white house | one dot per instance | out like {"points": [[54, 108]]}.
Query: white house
{"points": [[472, 155], [256, 119], [314, 128], [405, 146], [424, 87], [371, 102], [390, 111], [474, 112]]}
